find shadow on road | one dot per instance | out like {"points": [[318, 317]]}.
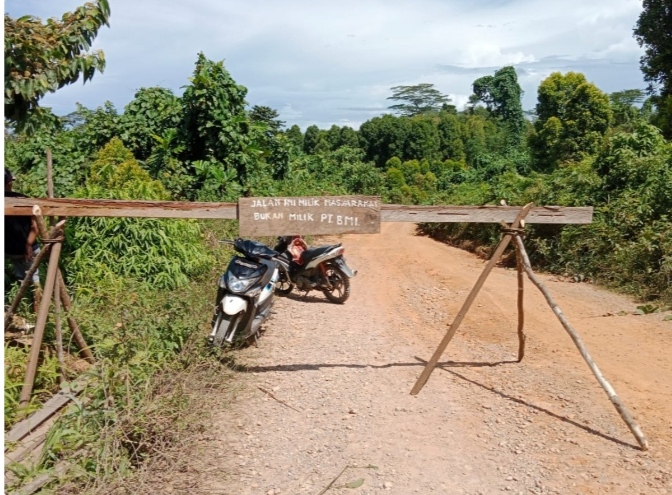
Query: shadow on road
{"points": [[305, 298], [564, 419], [318, 366], [445, 367]]}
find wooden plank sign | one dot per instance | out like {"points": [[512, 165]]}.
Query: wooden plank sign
{"points": [[309, 215], [68, 207]]}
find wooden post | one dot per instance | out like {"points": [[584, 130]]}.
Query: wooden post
{"points": [[521, 315], [521, 280], [611, 393], [429, 367], [34, 355]]}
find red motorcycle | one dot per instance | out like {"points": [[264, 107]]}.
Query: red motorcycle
{"points": [[321, 268]]}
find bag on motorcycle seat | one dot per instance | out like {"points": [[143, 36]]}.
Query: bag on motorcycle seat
{"points": [[297, 247], [310, 254]]}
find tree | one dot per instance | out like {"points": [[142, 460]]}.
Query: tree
{"points": [[662, 117], [573, 116], [627, 97], [311, 139], [295, 136], [654, 32], [163, 253], [422, 141], [421, 98], [163, 164], [42, 58], [349, 137], [623, 106], [152, 112], [474, 138], [502, 94], [215, 124], [384, 137], [333, 137], [95, 128], [450, 135], [268, 116]]}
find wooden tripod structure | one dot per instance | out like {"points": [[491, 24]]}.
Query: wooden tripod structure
{"points": [[54, 286], [52, 242], [514, 231]]}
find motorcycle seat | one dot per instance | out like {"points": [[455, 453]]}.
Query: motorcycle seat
{"points": [[311, 254]]}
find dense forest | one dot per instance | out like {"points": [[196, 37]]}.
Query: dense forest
{"points": [[139, 282], [580, 147]]}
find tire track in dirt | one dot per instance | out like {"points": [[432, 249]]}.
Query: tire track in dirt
{"points": [[481, 425]]}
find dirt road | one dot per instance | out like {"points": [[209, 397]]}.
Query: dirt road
{"points": [[329, 388]]}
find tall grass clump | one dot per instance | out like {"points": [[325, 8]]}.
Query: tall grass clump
{"points": [[164, 254], [143, 295]]}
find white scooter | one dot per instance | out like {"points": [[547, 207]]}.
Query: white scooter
{"points": [[245, 294]]}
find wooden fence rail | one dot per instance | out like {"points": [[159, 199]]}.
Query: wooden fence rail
{"points": [[66, 207]]}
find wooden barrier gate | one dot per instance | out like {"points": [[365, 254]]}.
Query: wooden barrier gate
{"points": [[331, 215]]}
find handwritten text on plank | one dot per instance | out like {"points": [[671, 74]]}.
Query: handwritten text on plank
{"points": [[309, 215]]}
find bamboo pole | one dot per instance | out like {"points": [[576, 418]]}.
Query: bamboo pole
{"points": [[431, 364], [41, 322], [59, 329], [57, 293], [521, 315], [50, 175], [74, 327], [611, 393]]}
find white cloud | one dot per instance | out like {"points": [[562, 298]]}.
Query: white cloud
{"points": [[334, 61], [627, 48], [490, 55]]}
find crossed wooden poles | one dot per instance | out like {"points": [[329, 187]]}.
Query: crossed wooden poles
{"points": [[513, 231], [52, 242]]}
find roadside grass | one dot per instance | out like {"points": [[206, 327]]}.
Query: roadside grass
{"points": [[154, 386]]}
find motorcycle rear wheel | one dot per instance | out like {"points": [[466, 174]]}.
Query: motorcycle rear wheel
{"points": [[340, 285], [226, 322]]}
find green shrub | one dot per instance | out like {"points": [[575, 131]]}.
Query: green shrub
{"points": [[160, 253]]}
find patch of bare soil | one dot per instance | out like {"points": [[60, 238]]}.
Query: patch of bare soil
{"points": [[328, 387]]}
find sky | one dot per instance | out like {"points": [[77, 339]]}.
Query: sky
{"points": [[333, 62]]}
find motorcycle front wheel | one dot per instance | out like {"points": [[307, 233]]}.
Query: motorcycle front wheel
{"points": [[340, 285], [226, 324], [284, 285]]}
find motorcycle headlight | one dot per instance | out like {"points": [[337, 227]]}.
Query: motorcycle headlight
{"points": [[238, 285]]}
